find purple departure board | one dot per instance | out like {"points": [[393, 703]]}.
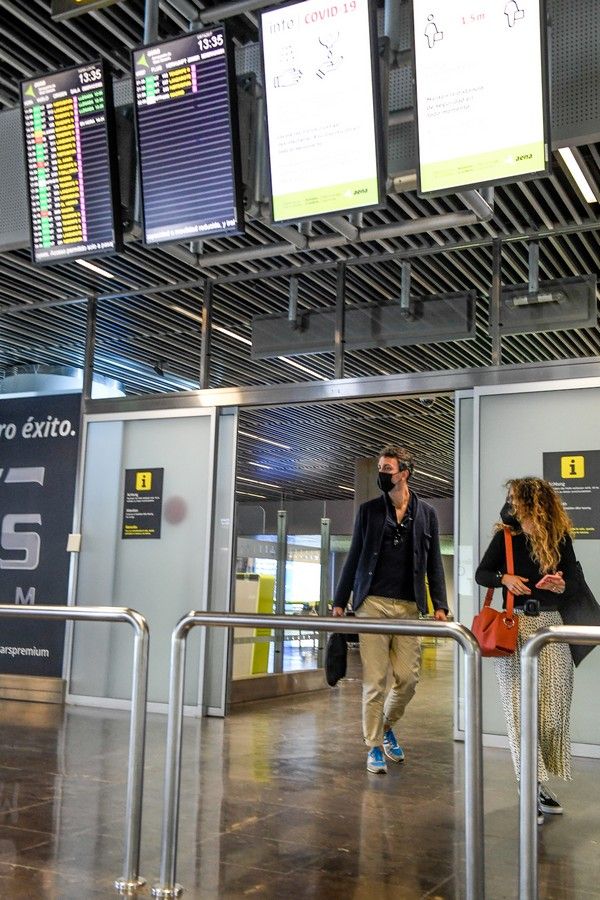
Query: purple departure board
{"points": [[187, 138], [71, 164]]}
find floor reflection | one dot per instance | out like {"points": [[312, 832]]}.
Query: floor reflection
{"points": [[275, 802]]}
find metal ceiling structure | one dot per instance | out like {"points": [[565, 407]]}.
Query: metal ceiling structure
{"points": [[151, 301]]}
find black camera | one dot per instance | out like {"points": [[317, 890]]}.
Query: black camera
{"points": [[532, 608]]}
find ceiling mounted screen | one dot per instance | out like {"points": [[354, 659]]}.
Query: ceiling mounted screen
{"points": [[321, 77], [71, 164], [187, 138], [481, 91]]}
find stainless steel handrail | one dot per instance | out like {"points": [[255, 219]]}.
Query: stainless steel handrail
{"points": [[530, 651], [167, 885], [130, 880]]}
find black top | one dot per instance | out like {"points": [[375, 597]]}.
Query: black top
{"points": [[393, 575], [493, 566]]}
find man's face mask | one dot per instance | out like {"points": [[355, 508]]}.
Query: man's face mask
{"points": [[508, 516], [384, 482]]}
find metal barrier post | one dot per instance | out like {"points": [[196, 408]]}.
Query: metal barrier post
{"points": [[130, 881], [530, 651], [167, 886]]}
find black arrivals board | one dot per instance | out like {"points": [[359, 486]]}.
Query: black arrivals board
{"points": [[187, 138], [69, 146]]}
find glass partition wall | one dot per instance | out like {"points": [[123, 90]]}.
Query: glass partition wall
{"points": [[287, 573]]}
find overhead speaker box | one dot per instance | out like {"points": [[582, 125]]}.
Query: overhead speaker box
{"points": [[555, 306], [432, 319]]}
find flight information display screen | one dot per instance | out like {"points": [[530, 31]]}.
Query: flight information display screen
{"points": [[187, 138], [70, 157]]}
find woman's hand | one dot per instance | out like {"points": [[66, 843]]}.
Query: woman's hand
{"points": [[554, 583], [516, 585], [337, 611]]}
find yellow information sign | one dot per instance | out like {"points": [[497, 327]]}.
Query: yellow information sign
{"points": [[572, 467], [143, 481]]}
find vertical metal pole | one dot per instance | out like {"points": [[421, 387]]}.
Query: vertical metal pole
{"points": [[534, 267], [325, 582], [474, 839], [150, 21], [528, 887], [206, 335], [135, 763], [167, 886], [280, 586], [495, 302], [90, 344], [293, 302], [340, 320]]}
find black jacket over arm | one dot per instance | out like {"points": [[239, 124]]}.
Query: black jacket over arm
{"points": [[357, 573]]}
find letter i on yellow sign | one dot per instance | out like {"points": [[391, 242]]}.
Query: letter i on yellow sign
{"points": [[143, 481], [572, 467]]}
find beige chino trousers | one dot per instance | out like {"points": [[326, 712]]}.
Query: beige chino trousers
{"points": [[378, 652]]}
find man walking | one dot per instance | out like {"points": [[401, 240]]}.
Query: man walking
{"points": [[395, 545]]}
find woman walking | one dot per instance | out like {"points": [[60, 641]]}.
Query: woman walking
{"points": [[544, 567]]}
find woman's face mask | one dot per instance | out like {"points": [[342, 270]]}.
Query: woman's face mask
{"points": [[508, 516]]}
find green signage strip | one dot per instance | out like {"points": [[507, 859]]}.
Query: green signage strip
{"points": [[319, 200]]}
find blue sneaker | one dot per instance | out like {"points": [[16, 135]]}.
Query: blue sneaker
{"points": [[391, 747], [375, 761]]}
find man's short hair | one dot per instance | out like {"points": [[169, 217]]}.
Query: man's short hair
{"points": [[403, 456]]}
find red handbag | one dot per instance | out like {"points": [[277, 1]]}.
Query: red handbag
{"points": [[496, 630]]}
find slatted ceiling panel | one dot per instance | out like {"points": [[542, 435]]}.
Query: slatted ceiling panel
{"points": [[322, 457]]}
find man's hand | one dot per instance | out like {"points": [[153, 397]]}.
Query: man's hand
{"points": [[440, 615], [337, 611]]}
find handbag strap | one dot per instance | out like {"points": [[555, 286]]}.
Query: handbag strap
{"points": [[510, 565]]}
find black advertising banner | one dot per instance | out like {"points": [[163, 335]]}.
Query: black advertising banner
{"points": [[38, 461], [576, 477], [142, 503]]}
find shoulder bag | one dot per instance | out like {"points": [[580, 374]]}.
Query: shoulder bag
{"points": [[496, 630], [580, 608]]}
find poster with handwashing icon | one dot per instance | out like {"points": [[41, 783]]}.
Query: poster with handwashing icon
{"points": [[482, 109]]}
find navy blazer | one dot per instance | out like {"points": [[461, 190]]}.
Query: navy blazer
{"points": [[357, 572]]}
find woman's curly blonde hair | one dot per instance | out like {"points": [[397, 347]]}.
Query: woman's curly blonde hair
{"points": [[535, 499]]}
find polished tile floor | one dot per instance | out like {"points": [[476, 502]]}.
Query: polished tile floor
{"points": [[276, 803]]}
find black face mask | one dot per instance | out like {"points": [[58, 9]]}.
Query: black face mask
{"points": [[508, 517], [384, 482]]}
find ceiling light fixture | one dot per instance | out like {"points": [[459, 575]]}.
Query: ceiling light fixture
{"points": [[344, 488], [263, 440], [437, 477], [263, 483], [232, 334], [94, 268], [248, 494], [296, 365], [583, 185], [259, 465]]}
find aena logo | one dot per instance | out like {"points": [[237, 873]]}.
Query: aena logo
{"points": [[360, 191], [524, 156]]}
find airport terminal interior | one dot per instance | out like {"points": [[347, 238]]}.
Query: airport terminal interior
{"points": [[244, 245]]}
